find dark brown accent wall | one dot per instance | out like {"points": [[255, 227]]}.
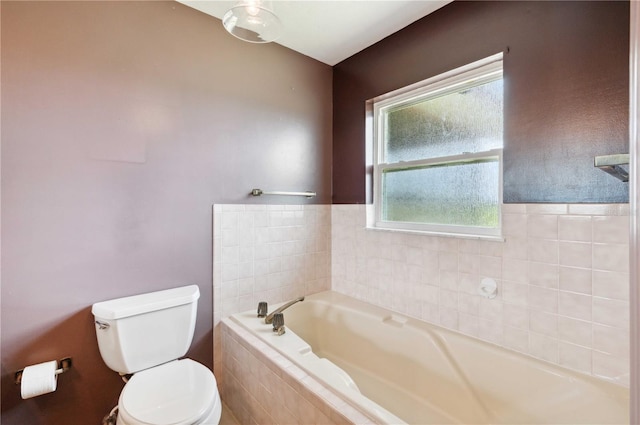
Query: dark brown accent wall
{"points": [[122, 123], [566, 91]]}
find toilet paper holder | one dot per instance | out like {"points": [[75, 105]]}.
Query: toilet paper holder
{"points": [[63, 366]]}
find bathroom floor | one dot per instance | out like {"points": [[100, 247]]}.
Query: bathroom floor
{"points": [[227, 417]]}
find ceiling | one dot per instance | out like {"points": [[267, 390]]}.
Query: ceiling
{"points": [[333, 30]]}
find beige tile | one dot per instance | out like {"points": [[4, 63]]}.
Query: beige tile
{"points": [[575, 331], [514, 209], [611, 257], [574, 228], [428, 293], [415, 274], [543, 323], [514, 225], [542, 250], [515, 316], [468, 263], [468, 324], [577, 306], [611, 229], [468, 246], [469, 304], [217, 250], [530, 270], [516, 339], [448, 261], [490, 267], [546, 208], [468, 283], [543, 347], [229, 220], [260, 219], [543, 299], [515, 270], [448, 299], [610, 367], [430, 312], [575, 254], [229, 237], [611, 285], [229, 272], [449, 318], [611, 312], [515, 247], [610, 340], [414, 255], [543, 274], [448, 244], [449, 280], [515, 293], [491, 331], [491, 248], [542, 226], [599, 209], [575, 280], [491, 309], [430, 260], [575, 357]]}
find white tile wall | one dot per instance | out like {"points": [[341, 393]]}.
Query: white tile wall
{"points": [[267, 253], [562, 271]]}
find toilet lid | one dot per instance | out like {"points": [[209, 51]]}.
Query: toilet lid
{"points": [[175, 393]]}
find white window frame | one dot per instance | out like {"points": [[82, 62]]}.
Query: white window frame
{"points": [[476, 73]]}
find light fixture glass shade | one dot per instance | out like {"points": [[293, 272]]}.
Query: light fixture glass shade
{"points": [[253, 21]]}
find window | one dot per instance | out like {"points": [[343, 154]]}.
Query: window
{"points": [[438, 153]]}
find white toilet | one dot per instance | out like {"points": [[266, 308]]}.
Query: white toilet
{"points": [[145, 335]]}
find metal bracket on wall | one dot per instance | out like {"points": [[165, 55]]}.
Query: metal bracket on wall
{"points": [[260, 192], [612, 164]]}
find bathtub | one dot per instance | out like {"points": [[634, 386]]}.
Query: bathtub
{"points": [[391, 369]]}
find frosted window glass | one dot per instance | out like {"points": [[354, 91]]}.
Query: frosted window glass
{"points": [[469, 120], [464, 194]]}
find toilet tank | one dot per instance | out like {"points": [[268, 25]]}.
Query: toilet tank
{"points": [[142, 331]]}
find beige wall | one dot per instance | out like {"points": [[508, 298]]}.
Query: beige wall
{"points": [[122, 123]]}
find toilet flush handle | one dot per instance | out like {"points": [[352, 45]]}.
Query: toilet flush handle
{"points": [[102, 325]]}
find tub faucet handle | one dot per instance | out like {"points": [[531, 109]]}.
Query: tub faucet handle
{"points": [[262, 309], [269, 319], [278, 322]]}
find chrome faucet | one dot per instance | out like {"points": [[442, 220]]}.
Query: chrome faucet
{"points": [[269, 318]]}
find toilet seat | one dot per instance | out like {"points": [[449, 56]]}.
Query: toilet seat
{"points": [[181, 392]]}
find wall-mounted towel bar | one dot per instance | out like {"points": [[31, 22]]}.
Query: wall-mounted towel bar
{"points": [[612, 165], [260, 192]]}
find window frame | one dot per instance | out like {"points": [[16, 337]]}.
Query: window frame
{"points": [[471, 75]]}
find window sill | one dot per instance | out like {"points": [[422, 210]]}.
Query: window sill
{"points": [[438, 234]]}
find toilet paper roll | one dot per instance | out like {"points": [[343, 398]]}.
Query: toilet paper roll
{"points": [[39, 379]]}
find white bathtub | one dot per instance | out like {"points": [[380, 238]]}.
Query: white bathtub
{"points": [[399, 370]]}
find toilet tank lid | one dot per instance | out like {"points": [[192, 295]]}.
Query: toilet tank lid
{"points": [[144, 303]]}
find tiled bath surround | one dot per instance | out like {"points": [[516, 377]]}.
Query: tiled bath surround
{"points": [[267, 253], [263, 387], [562, 274]]}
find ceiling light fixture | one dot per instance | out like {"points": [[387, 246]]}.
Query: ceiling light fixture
{"points": [[253, 21]]}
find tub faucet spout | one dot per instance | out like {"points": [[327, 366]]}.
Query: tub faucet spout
{"points": [[269, 318]]}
